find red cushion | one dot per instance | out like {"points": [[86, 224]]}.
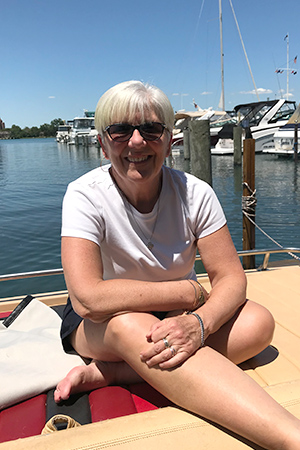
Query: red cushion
{"points": [[110, 402], [3, 315], [28, 418], [146, 398], [24, 419]]}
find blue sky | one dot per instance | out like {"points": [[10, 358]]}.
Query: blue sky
{"points": [[58, 57]]}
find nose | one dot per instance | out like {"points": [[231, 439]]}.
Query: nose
{"points": [[136, 138]]}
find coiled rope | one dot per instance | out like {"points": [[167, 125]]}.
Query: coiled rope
{"points": [[248, 208]]}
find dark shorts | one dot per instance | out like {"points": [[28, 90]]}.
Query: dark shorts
{"points": [[71, 320]]}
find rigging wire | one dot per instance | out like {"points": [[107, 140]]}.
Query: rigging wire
{"points": [[242, 42]]}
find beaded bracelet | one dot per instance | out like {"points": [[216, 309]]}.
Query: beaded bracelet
{"points": [[199, 299], [201, 326]]}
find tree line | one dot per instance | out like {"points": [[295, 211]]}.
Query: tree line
{"points": [[45, 130]]}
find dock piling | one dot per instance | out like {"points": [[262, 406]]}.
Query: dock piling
{"points": [[200, 150], [237, 145], [249, 201]]}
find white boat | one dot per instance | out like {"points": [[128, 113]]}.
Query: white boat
{"points": [[83, 130], [63, 133], [263, 119], [284, 138], [182, 118]]}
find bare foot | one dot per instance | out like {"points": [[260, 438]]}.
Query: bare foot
{"points": [[93, 376]]}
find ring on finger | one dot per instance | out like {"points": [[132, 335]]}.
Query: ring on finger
{"points": [[165, 341], [173, 351]]}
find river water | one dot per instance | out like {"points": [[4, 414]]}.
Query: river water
{"points": [[34, 175]]}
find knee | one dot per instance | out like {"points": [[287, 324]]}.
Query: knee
{"points": [[130, 326], [260, 325]]}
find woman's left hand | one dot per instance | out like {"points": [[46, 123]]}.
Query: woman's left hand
{"points": [[174, 340]]}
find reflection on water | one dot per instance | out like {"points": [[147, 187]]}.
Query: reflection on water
{"points": [[34, 175]]}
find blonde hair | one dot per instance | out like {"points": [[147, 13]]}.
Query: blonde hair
{"points": [[123, 101]]}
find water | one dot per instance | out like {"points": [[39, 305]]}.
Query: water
{"points": [[34, 175]]}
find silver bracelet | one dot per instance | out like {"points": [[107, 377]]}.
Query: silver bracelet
{"points": [[199, 299], [201, 326]]}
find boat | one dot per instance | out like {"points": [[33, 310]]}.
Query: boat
{"points": [[182, 118], [63, 133], [137, 416], [83, 130], [284, 138], [262, 119]]}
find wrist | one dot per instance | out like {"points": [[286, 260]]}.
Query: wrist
{"points": [[200, 294], [202, 331]]}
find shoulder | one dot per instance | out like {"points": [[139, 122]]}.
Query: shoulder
{"points": [[96, 177], [187, 182]]}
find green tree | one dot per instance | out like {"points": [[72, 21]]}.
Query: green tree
{"points": [[15, 132], [46, 130], [34, 132]]}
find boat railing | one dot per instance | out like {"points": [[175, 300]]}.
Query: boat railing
{"points": [[266, 252]]}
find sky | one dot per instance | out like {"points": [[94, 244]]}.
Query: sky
{"points": [[58, 57]]}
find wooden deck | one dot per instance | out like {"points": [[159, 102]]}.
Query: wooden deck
{"points": [[277, 370]]}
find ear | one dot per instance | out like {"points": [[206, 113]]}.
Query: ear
{"points": [[102, 146], [170, 145]]}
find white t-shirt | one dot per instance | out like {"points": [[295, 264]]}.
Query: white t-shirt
{"points": [[188, 209]]}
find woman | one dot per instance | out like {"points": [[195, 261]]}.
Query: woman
{"points": [[129, 237]]}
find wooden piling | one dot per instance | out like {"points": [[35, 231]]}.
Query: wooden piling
{"points": [[237, 145], [186, 143], [249, 201], [200, 150]]}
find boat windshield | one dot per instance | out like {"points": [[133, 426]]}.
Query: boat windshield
{"points": [[63, 128], [83, 123], [285, 112], [252, 114]]}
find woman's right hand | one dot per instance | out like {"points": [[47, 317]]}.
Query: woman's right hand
{"points": [[174, 340]]}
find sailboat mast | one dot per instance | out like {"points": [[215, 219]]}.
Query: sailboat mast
{"points": [[287, 65], [222, 99]]}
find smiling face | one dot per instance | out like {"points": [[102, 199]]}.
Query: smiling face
{"points": [[137, 160]]}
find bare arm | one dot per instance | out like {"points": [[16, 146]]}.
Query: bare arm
{"points": [[228, 293], [227, 279], [94, 298]]}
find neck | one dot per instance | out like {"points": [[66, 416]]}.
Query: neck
{"points": [[142, 196]]}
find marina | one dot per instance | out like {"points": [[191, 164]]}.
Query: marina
{"points": [[246, 148], [34, 175]]}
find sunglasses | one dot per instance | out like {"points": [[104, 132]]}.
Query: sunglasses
{"points": [[122, 132]]}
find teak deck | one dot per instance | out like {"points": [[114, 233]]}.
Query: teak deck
{"points": [[277, 370]]}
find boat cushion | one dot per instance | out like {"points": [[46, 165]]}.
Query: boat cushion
{"points": [[31, 355], [29, 417]]}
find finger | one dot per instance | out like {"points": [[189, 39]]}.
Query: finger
{"points": [[176, 360], [158, 331], [152, 351], [164, 356]]}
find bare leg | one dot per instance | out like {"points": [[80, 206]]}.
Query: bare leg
{"points": [[93, 376], [213, 386], [244, 336]]}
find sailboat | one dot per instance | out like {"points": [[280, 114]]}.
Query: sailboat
{"points": [[261, 118]]}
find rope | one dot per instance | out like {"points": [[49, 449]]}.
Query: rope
{"points": [[249, 202], [248, 209]]}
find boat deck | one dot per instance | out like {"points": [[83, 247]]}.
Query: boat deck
{"points": [[277, 370]]}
